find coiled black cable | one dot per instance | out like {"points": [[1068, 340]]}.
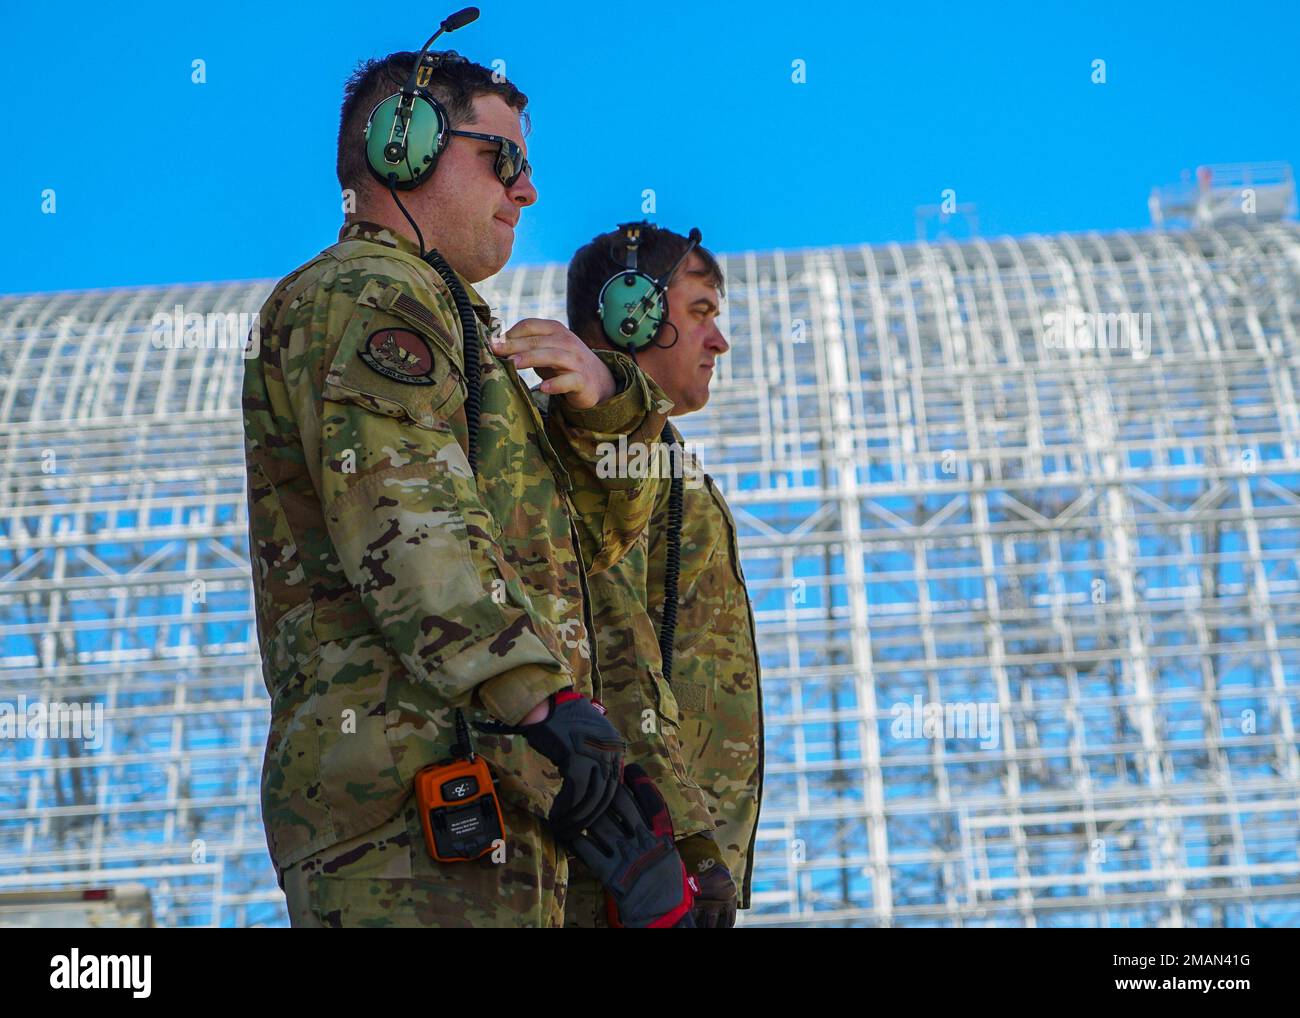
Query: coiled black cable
{"points": [[469, 333], [673, 556], [468, 326]]}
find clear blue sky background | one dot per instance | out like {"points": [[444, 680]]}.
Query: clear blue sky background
{"points": [[160, 180]]}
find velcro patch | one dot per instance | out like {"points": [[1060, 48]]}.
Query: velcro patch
{"points": [[399, 354], [692, 695]]}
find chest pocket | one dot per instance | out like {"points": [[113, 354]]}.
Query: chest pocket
{"points": [[397, 357]]}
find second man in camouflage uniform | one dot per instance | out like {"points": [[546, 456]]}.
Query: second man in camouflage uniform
{"points": [[699, 734]]}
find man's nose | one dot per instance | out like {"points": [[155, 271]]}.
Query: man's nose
{"points": [[717, 341], [524, 193]]}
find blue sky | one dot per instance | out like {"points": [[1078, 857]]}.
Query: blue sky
{"points": [[161, 180]]}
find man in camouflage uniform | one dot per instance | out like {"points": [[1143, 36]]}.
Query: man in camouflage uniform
{"points": [[700, 734], [393, 585]]}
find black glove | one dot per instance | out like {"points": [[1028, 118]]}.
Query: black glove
{"points": [[716, 901], [630, 850], [587, 749]]}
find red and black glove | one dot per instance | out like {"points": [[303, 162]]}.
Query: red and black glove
{"points": [[588, 750], [716, 901], [630, 849]]}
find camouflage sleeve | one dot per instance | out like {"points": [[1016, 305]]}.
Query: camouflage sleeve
{"points": [[613, 502], [402, 509]]}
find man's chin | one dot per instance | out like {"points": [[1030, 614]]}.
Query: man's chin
{"points": [[499, 259], [486, 269], [689, 404]]}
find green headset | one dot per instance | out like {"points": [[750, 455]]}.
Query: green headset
{"points": [[633, 305], [408, 131]]}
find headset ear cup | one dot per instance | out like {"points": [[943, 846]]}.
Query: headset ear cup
{"points": [[632, 309], [425, 136]]}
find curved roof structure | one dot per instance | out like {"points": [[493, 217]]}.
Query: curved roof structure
{"points": [[1020, 518]]}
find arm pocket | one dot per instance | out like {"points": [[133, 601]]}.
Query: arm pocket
{"points": [[397, 358], [665, 701], [670, 716]]}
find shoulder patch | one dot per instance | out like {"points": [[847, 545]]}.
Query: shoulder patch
{"points": [[399, 354], [394, 357]]}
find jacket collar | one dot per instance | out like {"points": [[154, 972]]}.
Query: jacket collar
{"points": [[373, 233]]}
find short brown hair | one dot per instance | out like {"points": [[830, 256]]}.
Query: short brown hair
{"points": [[455, 82], [606, 255]]}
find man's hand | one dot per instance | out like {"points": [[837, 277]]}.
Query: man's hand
{"points": [[630, 849], [565, 362], [715, 902], [585, 748]]}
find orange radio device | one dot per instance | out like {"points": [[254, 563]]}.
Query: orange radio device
{"points": [[458, 804]]}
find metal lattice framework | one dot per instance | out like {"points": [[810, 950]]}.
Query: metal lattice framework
{"points": [[960, 483]]}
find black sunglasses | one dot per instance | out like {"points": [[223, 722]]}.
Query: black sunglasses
{"points": [[510, 157]]}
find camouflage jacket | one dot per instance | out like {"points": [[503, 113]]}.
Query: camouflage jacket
{"points": [[391, 584], [715, 673], [638, 699]]}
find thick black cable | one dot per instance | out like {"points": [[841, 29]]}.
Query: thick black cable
{"points": [[468, 327], [673, 556], [469, 333]]}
